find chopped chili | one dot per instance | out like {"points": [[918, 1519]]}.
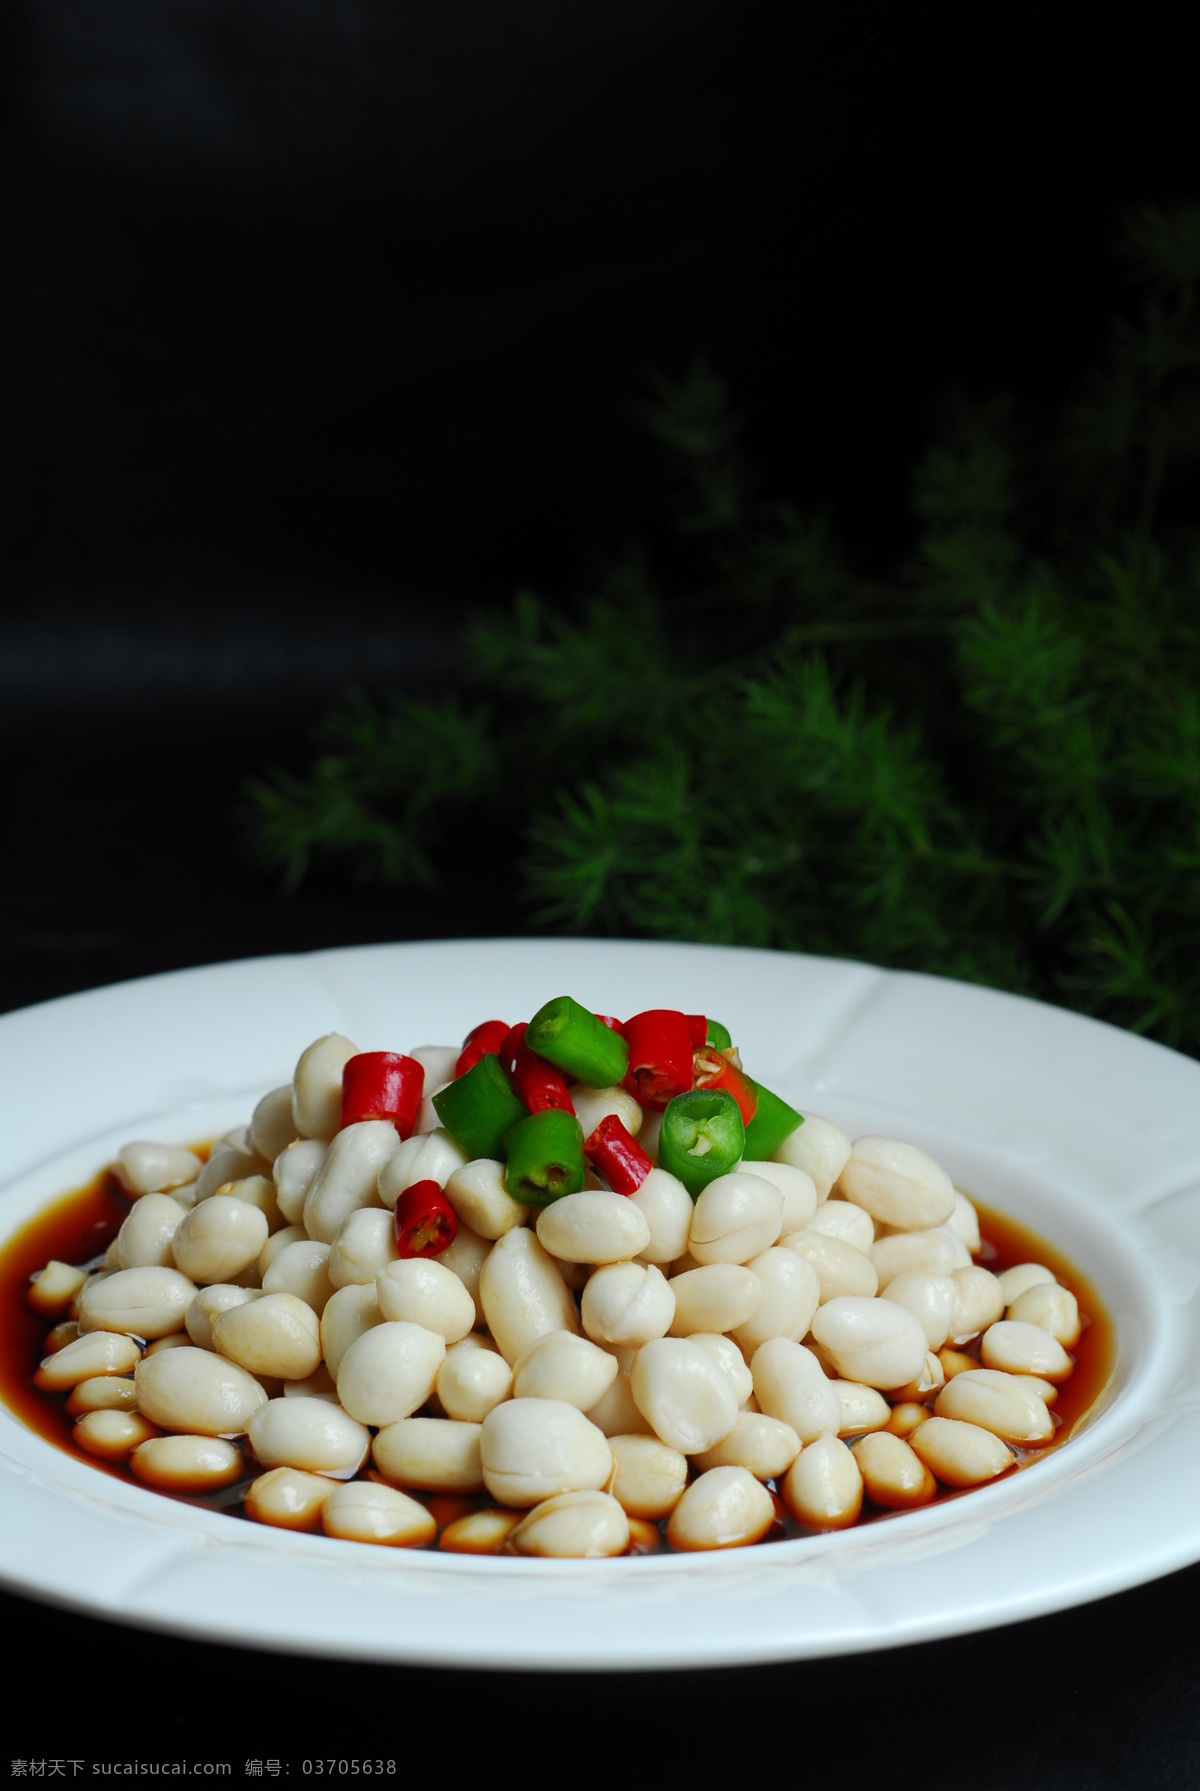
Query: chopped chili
{"points": [[615, 1153], [382, 1085]]}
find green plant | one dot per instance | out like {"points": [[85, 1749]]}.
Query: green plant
{"points": [[987, 767]]}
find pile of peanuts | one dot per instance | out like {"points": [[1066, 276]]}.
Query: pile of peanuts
{"points": [[809, 1333]]}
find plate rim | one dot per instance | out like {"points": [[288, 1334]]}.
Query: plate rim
{"points": [[1137, 1567]]}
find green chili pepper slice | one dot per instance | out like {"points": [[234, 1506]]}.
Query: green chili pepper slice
{"points": [[568, 1036], [479, 1108], [718, 1036], [545, 1157], [702, 1137], [773, 1121]]}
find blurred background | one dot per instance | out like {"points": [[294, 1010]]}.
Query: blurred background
{"points": [[327, 329]]}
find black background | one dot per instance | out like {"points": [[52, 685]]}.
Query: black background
{"points": [[321, 322]]}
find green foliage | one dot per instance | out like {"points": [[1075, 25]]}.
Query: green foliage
{"points": [[988, 768]]}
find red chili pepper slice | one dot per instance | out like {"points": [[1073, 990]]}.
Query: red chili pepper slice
{"points": [[712, 1069], [426, 1223], [540, 1085], [382, 1085], [660, 1056], [698, 1028], [479, 1041], [615, 1153]]}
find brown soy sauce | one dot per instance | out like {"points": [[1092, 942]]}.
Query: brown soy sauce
{"points": [[79, 1227]]}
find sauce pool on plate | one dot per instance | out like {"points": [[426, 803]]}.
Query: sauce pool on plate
{"points": [[78, 1228]]}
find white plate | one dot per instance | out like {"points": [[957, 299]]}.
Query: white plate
{"points": [[1090, 1135]]}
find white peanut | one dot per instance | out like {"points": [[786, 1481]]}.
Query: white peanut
{"points": [[1022, 1348], [594, 1104], [789, 1384], [818, 1147], [727, 1355], [735, 1217], [666, 1206], [574, 1526], [439, 1063], [290, 1499], [388, 1372], [898, 1184], [363, 1511], [843, 1219], [278, 1240], [863, 1408], [1014, 1281], [96, 1353], [145, 1236], [648, 1476], [915, 1253], [348, 1176], [978, 1303], [259, 1191], [317, 1086], [54, 1288], [208, 1304], [147, 1302], [1001, 1403], [480, 1199], [310, 1434], [684, 1395], [823, 1488], [718, 1297], [350, 1311], [276, 1335], [112, 1435], [272, 1126], [616, 1413], [627, 1303], [437, 1454], [872, 1341], [195, 1464], [147, 1168], [102, 1393], [840, 1267], [320, 1384], [522, 1294], [479, 1532], [364, 1244], [928, 1379], [965, 1221], [294, 1172], [425, 1292], [228, 1163], [219, 1238], [789, 1298], [893, 1474], [425, 1157], [562, 1366], [1053, 1309], [800, 1201], [764, 1446], [725, 1508], [196, 1391], [301, 1268], [960, 1454], [532, 1449], [930, 1298], [472, 1380], [465, 1258], [593, 1227]]}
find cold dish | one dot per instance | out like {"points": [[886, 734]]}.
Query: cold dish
{"points": [[576, 1288]]}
